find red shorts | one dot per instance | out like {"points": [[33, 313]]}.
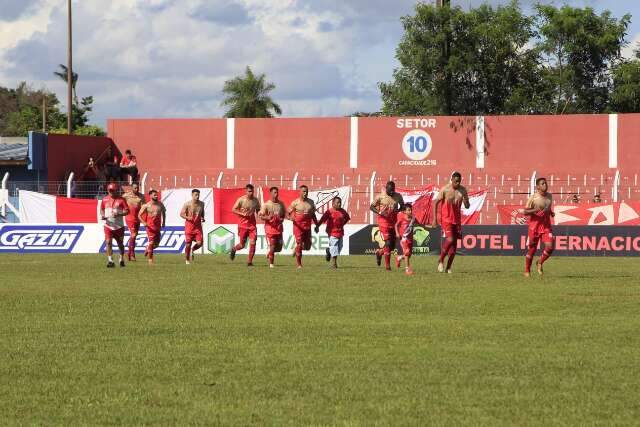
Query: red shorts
{"points": [[302, 236], [535, 235], [153, 236], [133, 226], [250, 233], [193, 234], [388, 233], [407, 246], [114, 234], [452, 231]]}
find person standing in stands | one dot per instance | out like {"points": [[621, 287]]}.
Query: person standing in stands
{"points": [[129, 167]]}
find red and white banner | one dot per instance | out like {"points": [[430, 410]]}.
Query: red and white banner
{"points": [[322, 198], [422, 200], [582, 214], [38, 208]]}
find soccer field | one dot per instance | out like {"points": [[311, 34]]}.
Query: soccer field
{"points": [[217, 343]]}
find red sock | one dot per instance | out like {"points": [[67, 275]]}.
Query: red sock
{"points": [[387, 257], [528, 259], [299, 255], [271, 256], [453, 248], [545, 255], [132, 246], [150, 250], [379, 252], [239, 246], [444, 250], [252, 252], [187, 251]]}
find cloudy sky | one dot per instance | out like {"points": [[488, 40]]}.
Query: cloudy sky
{"points": [[170, 58]]}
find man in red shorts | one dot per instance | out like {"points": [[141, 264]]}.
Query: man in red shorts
{"points": [[246, 208], [112, 211], [272, 213], [134, 200], [302, 212], [193, 214], [386, 206], [153, 216], [452, 196], [539, 210]]}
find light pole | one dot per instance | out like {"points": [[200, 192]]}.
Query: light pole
{"points": [[69, 71]]}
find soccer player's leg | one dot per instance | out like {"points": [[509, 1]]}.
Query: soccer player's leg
{"points": [[188, 239], [197, 237], [271, 255], [243, 235], [389, 235], [447, 234], [153, 240], [133, 227], [532, 246], [407, 248], [253, 237], [118, 235], [298, 234], [547, 241], [335, 246], [456, 233], [109, 248]]}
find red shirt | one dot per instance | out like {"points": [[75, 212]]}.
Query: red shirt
{"points": [[109, 208], [405, 226], [273, 227], [451, 211], [127, 160], [336, 220]]}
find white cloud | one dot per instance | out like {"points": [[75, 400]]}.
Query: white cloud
{"points": [[629, 50]]}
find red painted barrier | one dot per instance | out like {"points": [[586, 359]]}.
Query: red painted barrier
{"points": [[70, 153]]}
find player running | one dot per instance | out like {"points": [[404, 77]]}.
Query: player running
{"points": [[336, 218], [386, 206], [539, 210], [404, 230], [452, 196], [134, 200], [246, 207], [112, 211], [273, 213], [193, 214], [302, 212], [153, 216]]}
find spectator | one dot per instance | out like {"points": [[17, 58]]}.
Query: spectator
{"points": [[574, 199], [90, 172], [596, 198], [112, 165], [129, 167]]}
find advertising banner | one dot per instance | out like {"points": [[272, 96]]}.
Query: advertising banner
{"points": [[582, 214], [368, 239]]}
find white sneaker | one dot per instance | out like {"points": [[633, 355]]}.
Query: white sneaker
{"points": [[187, 262], [299, 267], [272, 266], [449, 271], [440, 267]]}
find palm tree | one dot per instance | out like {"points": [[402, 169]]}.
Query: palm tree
{"points": [[63, 75], [248, 96]]}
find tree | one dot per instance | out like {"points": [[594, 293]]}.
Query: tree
{"points": [[457, 62], [64, 74], [248, 96], [579, 49], [625, 97], [21, 110]]}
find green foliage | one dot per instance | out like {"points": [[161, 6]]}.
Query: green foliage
{"points": [[248, 96], [215, 343], [89, 130], [626, 87], [499, 61]]}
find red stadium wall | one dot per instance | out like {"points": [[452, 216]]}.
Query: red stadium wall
{"points": [[70, 153], [547, 144], [629, 142], [292, 144], [173, 146]]}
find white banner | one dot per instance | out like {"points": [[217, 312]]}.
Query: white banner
{"points": [[37, 208], [174, 199], [323, 198]]}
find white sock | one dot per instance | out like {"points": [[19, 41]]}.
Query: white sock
{"points": [[120, 258], [110, 258]]}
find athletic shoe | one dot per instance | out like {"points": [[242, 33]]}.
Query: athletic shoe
{"points": [[232, 254], [408, 272], [378, 259], [121, 263], [440, 267], [449, 271], [193, 256], [111, 264], [272, 266], [540, 270], [187, 262], [327, 255], [132, 258], [249, 264], [299, 267], [388, 268]]}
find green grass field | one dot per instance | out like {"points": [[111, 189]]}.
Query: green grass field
{"points": [[217, 344]]}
